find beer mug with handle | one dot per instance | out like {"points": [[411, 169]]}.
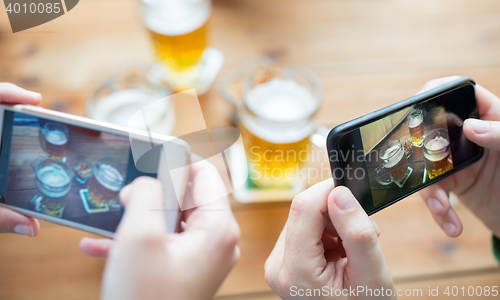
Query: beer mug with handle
{"points": [[276, 108], [53, 179], [105, 182], [394, 166]]}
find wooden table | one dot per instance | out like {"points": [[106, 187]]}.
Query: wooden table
{"points": [[368, 54]]}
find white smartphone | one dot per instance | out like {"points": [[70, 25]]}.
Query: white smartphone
{"points": [[69, 170]]}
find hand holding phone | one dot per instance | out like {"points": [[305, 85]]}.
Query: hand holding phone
{"points": [[147, 262], [11, 221], [477, 185], [391, 153]]}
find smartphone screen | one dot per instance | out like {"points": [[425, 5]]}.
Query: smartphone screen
{"points": [[64, 171], [394, 155]]}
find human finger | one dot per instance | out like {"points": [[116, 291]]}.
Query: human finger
{"points": [[144, 214], [210, 225], [13, 94], [306, 223], [482, 132], [358, 234]]}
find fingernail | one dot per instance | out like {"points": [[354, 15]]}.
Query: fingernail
{"points": [[434, 205], [419, 92], [345, 200], [478, 126], [24, 229], [449, 228]]}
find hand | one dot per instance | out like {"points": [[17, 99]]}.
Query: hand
{"points": [[477, 185], [11, 221], [145, 262], [328, 243]]}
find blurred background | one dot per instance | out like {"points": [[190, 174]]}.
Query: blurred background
{"points": [[367, 54]]}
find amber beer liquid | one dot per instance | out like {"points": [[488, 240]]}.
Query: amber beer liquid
{"points": [[275, 152], [437, 154], [416, 127], [104, 184], [178, 30], [396, 162]]}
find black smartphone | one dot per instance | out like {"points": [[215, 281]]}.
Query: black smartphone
{"points": [[386, 155]]}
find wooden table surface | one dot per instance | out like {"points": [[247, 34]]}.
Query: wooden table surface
{"points": [[367, 53]]}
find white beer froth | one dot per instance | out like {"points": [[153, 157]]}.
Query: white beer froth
{"points": [[436, 144], [415, 121], [56, 137], [280, 101], [392, 156], [109, 177], [176, 17]]}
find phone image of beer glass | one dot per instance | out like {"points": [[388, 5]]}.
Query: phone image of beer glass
{"points": [[53, 179], [437, 153], [54, 138], [394, 166], [416, 126], [105, 183]]}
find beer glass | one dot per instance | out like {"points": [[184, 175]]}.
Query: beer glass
{"points": [[105, 182], [437, 152], [276, 120], [178, 30], [53, 179], [395, 161], [415, 122], [54, 137]]}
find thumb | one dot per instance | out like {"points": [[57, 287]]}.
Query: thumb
{"points": [[358, 234], [484, 133]]}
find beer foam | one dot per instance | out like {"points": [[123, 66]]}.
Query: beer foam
{"points": [[56, 137], [280, 101], [175, 17], [392, 156], [436, 144], [109, 177], [415, 121], [53, 177]]}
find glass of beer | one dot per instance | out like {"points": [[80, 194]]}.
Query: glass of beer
{"points": [[178, 30], [394, 160], [277, 117], [437, 153], [54, 137], [53, 178], [105, 182], [415, 122]]}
